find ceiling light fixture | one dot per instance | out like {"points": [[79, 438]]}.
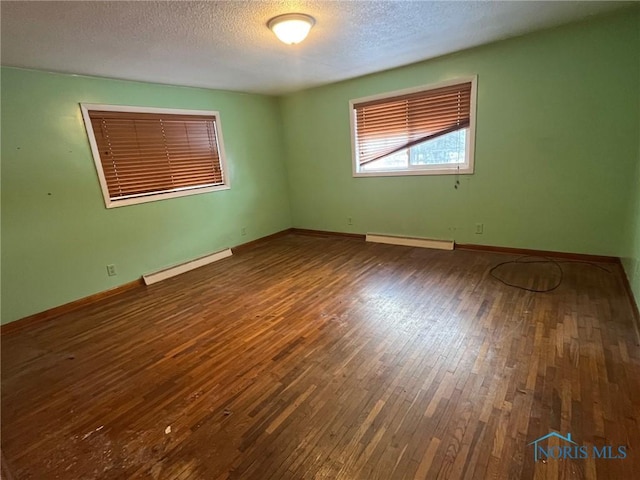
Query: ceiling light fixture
{"points": [[291, 28]]}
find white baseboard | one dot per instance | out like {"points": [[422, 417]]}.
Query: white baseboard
{"points": [[410, 241], [185, 267]]}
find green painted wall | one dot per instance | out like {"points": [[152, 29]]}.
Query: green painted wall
{"points": [[57, 235], [557, 138], [631, 261]]}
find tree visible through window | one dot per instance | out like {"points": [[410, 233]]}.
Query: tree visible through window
{"points": [[422, 131]]}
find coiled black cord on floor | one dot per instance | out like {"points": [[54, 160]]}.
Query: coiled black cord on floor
{"points": [[542, 260]]}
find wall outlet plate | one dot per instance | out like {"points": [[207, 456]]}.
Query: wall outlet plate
{"points": [[111, 270]]}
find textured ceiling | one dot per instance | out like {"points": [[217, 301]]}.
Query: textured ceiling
{"points": [[226, 44]]}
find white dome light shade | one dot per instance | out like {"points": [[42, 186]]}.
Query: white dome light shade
{"points": [[291, 28]]}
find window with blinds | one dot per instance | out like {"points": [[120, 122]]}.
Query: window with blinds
{"points": [[423, 131], [146, 154]]}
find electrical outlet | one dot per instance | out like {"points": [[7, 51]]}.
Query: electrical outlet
{"points": [[349, 221], [479, 228], [243, 231], [111, 270]]}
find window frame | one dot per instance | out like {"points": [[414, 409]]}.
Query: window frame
{"points": [[151, 197], [437, 169]]}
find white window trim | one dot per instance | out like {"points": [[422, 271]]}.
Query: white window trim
{"points": [[152, 197], [454, 169]]}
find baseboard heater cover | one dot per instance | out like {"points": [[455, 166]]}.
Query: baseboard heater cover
{"points": [[410, 241], [185, 267]]}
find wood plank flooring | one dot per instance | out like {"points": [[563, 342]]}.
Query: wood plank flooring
{"points": [[329, 358]]}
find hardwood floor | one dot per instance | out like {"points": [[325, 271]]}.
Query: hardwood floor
{"points": [[332, 358]]}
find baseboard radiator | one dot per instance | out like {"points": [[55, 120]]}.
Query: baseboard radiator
{"points": [[410, 241], [185, 267]]}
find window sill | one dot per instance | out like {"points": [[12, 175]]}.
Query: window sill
{"points": [[163, 196], [403, 173]]}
